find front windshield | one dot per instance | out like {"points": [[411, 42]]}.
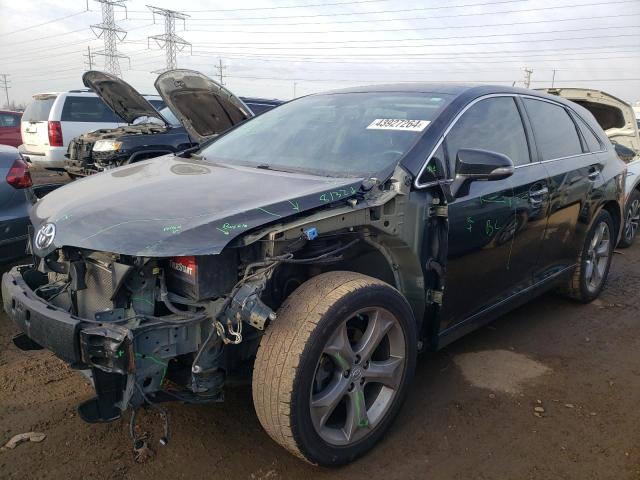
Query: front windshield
{"points": [[341, 134], [169, 117]]}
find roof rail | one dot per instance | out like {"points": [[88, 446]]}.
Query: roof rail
{"points": [[80, 90]]}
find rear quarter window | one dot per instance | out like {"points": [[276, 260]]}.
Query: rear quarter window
{"points": [[593, 144], [38, 110], [87, 109]]}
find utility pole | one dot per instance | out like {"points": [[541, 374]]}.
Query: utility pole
{"points": [[553, 79], [220, 68], [294, 89], [169, 41], [527, 77], [89, 58], [111, 34], [4, 83]]}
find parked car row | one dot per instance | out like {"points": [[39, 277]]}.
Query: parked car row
{"points": [[314, 249]]}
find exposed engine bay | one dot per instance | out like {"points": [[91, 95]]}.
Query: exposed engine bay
{"points": [[154, 330], [84, 160]]}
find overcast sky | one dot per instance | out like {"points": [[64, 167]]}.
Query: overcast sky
{"points": [[273, 48]]}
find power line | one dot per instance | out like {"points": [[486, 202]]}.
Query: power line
{"points": [[367, 47], [430, 28], [342, 42], [21, 42], [22, 29], [111, 33], [416, 9], [457, 15], [280, 7], [429, 61], [40, 49], [171, 42]]}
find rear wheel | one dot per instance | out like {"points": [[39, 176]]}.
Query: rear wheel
{"points": [[333, 368], [631, 219], [594, 261]]}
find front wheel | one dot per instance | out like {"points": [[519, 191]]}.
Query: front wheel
{"points": [[333, 368]]}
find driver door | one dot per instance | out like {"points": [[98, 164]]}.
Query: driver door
{"points": [[496, 230]]}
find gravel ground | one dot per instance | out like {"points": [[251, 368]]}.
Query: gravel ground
{"points": [[549, 391]]}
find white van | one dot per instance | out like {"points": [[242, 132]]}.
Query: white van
{"points": [[53, 119]]}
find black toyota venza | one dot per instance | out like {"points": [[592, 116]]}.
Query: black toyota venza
{"points": [[315, 249]]}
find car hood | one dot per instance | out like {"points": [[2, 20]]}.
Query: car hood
{"points": [[119, 96], [204, 107], [174, 206]]}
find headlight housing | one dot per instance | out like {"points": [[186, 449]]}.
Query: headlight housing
{"points": [[107, 146]]}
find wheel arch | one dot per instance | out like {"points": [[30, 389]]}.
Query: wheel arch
{"points": [[615, 210]]}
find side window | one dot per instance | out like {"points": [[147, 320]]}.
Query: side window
{"points": [[9, 120], [492, 124], [593, 144], [435, 169], [88, 109], [555, 132]]}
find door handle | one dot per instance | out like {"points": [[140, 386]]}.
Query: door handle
{"points": [[593, 174], [537, 196]]}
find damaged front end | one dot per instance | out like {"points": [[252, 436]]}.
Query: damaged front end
{"points": [[149, 330], [105, 149]]}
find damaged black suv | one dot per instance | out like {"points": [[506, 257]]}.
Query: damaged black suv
{"points": [[316, 249], [151, 133]]}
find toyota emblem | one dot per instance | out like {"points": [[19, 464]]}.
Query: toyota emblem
{"points": [[45, 236]]}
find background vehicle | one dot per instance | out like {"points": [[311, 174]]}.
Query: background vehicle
{"points": [[159, 134], [618, 120], [51, 120], [319, 257], [10, 128], [16, 195]]}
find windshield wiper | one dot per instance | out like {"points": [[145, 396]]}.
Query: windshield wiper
{"points": [[187, 152]]}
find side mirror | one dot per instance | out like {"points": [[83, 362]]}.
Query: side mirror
{"points": [[474, 165]]}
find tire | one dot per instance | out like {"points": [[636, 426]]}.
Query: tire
{"points": [[631, 220], [583, 286], [307, 379]]}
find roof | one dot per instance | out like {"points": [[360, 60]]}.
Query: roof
{"points": [[468, 90]]}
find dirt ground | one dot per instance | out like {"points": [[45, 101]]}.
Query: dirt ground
{"points": [[550, 391]]}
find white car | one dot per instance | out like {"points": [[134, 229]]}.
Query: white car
{"points": [[52, 120]]}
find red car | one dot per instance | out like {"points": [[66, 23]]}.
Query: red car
{"points": [[10, 128]]}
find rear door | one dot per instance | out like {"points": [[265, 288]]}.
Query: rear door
{"points": [[34, 124], [495, 231], [86, 113], [573, 172]]}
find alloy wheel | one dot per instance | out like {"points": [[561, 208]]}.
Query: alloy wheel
{"points": [[598, 256], [632, 221], [358, 376]]}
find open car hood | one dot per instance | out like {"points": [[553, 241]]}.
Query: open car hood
{"points": [[615, 116], [204, 107], [172, 206], [119, 96]]}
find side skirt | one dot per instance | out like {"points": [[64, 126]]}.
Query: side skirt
{"points": [[494, 311]]}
